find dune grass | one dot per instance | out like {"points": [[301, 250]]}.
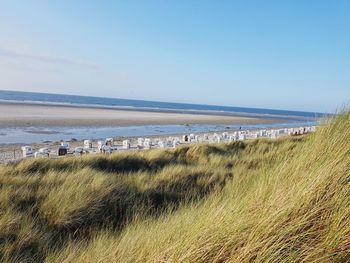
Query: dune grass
{"points": [[284, 200]]}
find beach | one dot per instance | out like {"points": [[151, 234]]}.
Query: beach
{"points": [[27, 115], [45, 125]]}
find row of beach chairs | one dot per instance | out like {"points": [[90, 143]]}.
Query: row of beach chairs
{"points": [[108, 145]]}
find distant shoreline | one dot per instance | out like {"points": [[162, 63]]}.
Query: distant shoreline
{"points": [[144, 105], [213, 117], [32, 114]]}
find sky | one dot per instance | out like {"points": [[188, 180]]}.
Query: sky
{"points": [[292, 55]]}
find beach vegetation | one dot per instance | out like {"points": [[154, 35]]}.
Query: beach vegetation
{"points": [[263, 200]]}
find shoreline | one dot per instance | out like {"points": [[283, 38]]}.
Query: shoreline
{"points": [[43, 115]]}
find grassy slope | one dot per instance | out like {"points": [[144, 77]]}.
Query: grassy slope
{"points": [[264, 200]]}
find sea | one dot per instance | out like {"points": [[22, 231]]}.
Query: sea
{"points": [[46, 98], [26, 135]]}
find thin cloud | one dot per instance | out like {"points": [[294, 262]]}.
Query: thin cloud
{"points": [[13, 54]]}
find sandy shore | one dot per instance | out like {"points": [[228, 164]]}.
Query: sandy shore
{"points": [[21, 115], [25, 116]]}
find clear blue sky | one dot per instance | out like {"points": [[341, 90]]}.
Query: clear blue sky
{"points": [[269, 54]]}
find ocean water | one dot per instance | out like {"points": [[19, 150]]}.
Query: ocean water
{"points": [[17, 96]]}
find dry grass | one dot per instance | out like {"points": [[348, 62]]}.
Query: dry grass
{"points": [[284, 200]]}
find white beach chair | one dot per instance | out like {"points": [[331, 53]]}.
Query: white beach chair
{"points": [[147, 144], [126, 144], [87, 144], [27, 151]]}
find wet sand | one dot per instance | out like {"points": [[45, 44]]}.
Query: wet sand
{"points": [[25, 115]]}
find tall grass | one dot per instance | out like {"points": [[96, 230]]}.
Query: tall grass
{"points": [[285, 200]]}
